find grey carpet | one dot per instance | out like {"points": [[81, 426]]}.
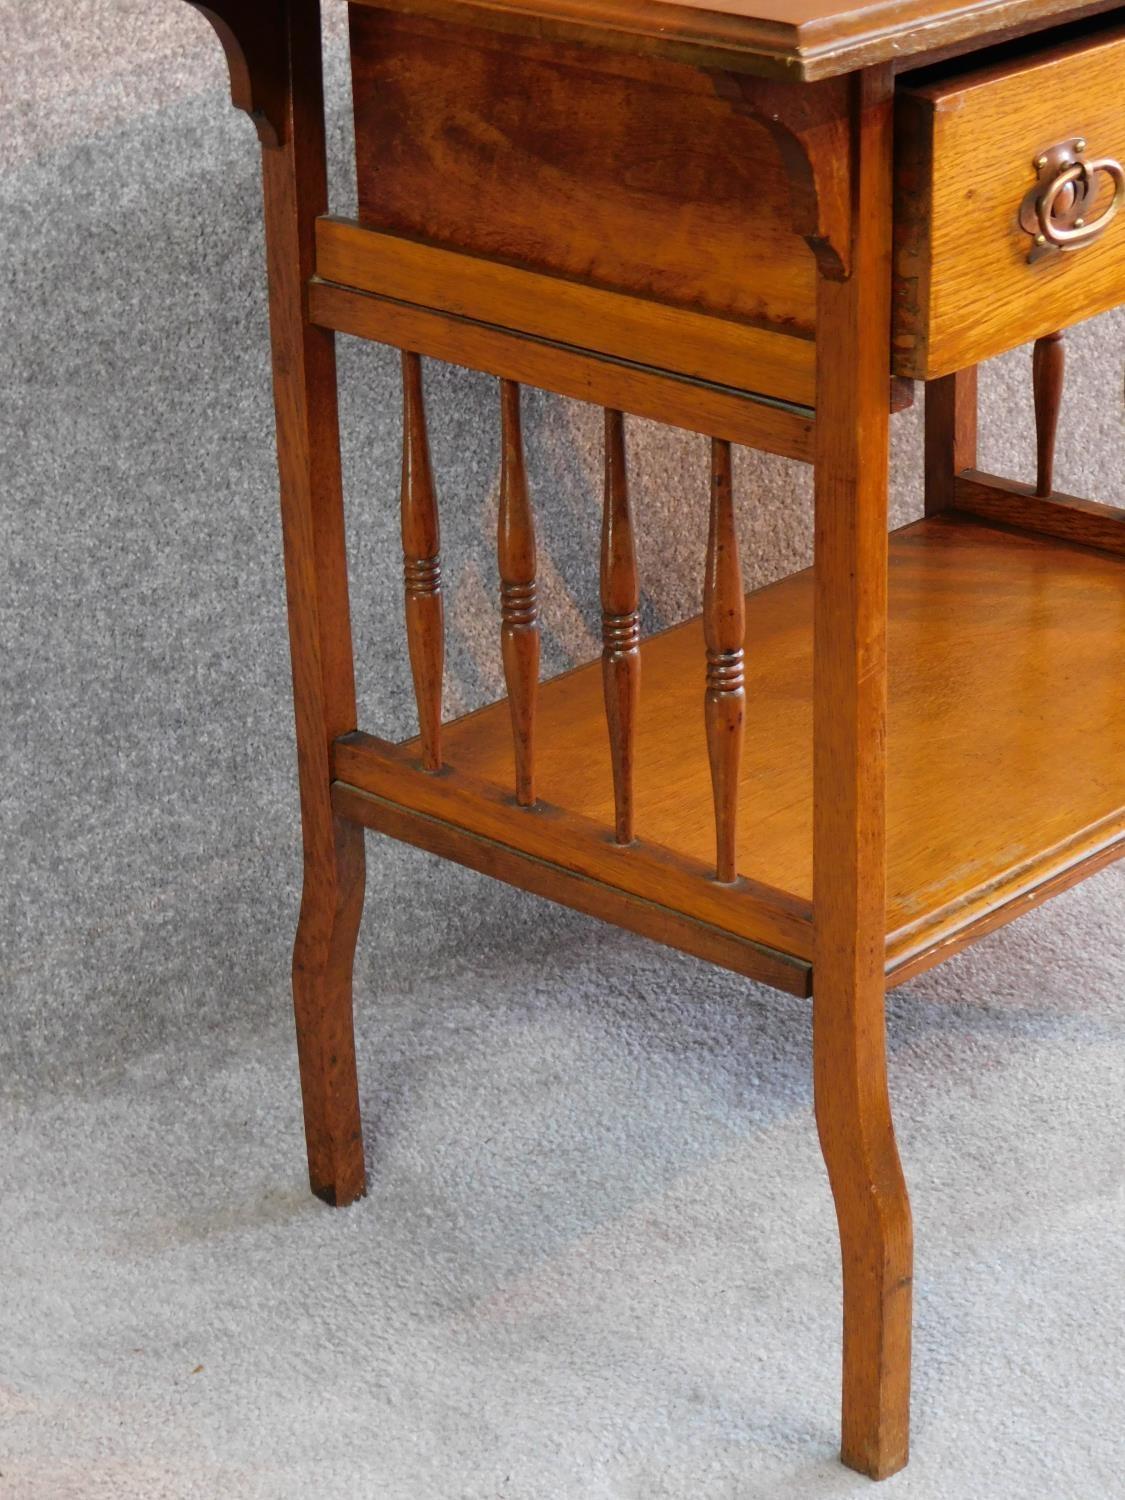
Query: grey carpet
{"points": [[598, 1258]]}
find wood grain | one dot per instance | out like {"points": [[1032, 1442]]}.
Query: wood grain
{"points": [[811, 129], [1088, 523], [724, 625], [621, 625], [1048, 368], [421, 552], [316, 578], [964, 290], [951, 436], [519, 592], [489, 144], [570, 839], [853, 1113], [548, 878], [715, 349], [256, 49], [698, 406], [990, 630], [1078, 859], [632, 202], [797, 39]]}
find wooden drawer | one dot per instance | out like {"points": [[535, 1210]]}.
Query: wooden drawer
{"points": [[970, 281]]}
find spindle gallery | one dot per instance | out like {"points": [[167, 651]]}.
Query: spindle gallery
{"points": [[761, 223]]}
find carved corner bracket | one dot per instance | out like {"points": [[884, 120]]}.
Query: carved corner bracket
{"points": [[811, 124], [254, 35]]}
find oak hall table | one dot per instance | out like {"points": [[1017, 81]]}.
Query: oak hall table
{"points": [[760, 220]]}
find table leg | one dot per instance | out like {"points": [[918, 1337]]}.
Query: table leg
{"points": [[274, 54], [951, 436], [849, 1043], [308, 445]]}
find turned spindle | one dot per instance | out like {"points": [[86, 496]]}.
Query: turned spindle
{"points": [[621, 628], [723, 630], [1047, 367], [421, 564], [519, 602]]}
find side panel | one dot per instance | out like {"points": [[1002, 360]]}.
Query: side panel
{"points": [[491, 144]]}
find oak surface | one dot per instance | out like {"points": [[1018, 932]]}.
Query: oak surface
{"points": [[849, 812], [950, 436], [276, 77], [989, 631], [697, 405], [634, 203], [798, 39], [706, 347], [966, 147], [539, 849], [1006, 502]]}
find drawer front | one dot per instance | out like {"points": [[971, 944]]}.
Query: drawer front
{"points": [[978, 158]]}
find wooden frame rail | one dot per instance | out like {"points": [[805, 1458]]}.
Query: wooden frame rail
{"points": [[695, 405], [1004, 502], [769, 361], [758, 931]]}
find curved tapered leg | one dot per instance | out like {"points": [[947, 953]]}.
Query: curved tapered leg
{"points": [[274, 51], [850, 685], [873, 1213], [331, 908]]}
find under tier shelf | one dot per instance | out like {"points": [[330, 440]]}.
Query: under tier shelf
{"points": [[1006, 741]]}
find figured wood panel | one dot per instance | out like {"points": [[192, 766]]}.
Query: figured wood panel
{"points": [[1006, 737], [648, 181], [788, 38], [585, 317], [965, 153]]}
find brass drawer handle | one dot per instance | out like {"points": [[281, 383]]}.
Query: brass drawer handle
{"points": [[1054, 212]]}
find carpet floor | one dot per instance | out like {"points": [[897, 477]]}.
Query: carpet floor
{"points": [[598, 1257]]}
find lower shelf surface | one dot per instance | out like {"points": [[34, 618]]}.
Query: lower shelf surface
{"points": [[1006, 733]]}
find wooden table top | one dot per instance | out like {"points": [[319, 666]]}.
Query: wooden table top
{"points": [[805, 39]]}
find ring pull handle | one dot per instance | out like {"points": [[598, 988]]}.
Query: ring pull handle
{"points": [[1056, 211]]}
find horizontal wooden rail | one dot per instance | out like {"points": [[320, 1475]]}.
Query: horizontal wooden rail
{"points": [[571, 888], [747, 909], [767, 361], [918, 946], [1064, 517], [699, 406]]}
